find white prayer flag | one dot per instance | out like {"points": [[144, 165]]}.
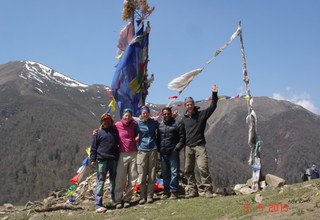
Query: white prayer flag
{"points": [[180, 83]]}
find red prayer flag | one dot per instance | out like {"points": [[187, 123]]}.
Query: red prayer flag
{"points": [[75, 178]]}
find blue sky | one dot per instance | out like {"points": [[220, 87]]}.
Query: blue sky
{"points": [[78, 38]]}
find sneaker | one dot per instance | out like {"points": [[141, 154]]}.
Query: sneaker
{"points": [[126, 204], [149, 200], [142, 201], [101, 210], [119, 206], [173, 196], [164, 196], [191, 195]]}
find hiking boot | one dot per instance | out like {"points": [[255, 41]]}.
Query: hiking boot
{"points": [[119, 206], [164, 196], [126, 204], [191, 195], [173, 196], [149, 200], [142, 201], [101, 210]]}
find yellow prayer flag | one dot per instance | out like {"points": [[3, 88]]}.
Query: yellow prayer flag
{"points": [[119, 55], [112, 104], [134, 86], [70, 194], [88, 151]]}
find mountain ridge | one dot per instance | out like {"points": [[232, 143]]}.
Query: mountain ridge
{"points": [[46, 124]]}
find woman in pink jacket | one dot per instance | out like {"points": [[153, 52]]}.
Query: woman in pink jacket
{"points": [[127, 164]]}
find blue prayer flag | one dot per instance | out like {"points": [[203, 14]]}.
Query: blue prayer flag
{"points": [[129, 74], [86, 161]]}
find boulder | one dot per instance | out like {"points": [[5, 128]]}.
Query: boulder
{"points": [[242, 189], [246, 190], [237, 188], [274, 181]]}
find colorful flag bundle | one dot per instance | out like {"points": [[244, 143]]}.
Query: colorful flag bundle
{"points": [[81, 170], [130, 70]]}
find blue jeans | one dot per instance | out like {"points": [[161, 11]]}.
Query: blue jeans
{"points": [[103, 167], [170, 165]]}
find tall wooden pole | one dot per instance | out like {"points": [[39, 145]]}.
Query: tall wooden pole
{"points": [[253, 141], [145, 82]]}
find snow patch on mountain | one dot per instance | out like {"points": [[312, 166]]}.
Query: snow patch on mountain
{"points": [[107, 88], [152, 105], [39, 72], [23, 77], [40, 90], [93, 113]]}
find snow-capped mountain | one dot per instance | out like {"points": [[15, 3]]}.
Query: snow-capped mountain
{"points": [[37, 79], [40, 72], [46, 120]]}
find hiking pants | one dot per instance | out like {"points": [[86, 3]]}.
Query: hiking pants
{"points": [[146, 162], [126, 176], [197, 155]]}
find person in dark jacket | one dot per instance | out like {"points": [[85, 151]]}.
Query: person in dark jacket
{"points": [[171, 138], [104, 155], [195, 153]]}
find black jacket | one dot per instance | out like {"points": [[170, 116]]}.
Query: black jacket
{"points": [[196, 123], [171, 136], [105, 145]]}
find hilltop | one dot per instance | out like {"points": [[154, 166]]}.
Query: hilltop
{"points": [[46, 121], [298, 201]]}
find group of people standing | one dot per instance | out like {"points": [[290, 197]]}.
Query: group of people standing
{"points": [[128, 150]]}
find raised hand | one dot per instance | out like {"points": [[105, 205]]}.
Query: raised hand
{"points": [[214, 88]]}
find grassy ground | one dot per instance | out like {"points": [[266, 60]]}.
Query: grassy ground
{"points": [[299, 201]]}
